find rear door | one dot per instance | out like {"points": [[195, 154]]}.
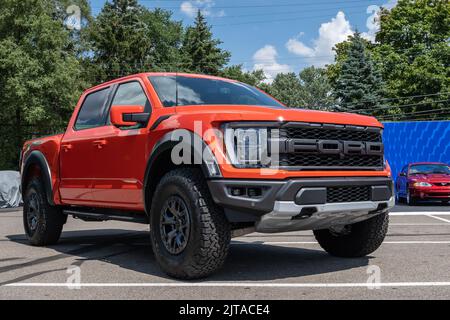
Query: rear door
{"points": [[78, 149], [119, 166]]}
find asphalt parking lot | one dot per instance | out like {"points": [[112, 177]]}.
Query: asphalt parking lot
{"points": [[115, 261]]}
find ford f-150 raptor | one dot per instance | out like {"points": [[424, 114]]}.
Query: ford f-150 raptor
{"points": [[202, 159]]}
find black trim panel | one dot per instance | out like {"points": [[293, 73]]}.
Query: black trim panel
{"points": [[289, 190], [36, 157], [167, 143], [159, 120]]}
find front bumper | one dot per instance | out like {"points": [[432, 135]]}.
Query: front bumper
{"points": [[438, 193], [300, 204]]}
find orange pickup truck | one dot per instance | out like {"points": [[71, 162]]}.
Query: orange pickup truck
{"points": [[203, 159]]}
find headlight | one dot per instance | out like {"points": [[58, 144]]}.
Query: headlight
{"points": [[246, 147], [422, 184]]}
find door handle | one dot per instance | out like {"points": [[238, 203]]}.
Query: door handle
{"points": [[99, 143], [67, 147]]}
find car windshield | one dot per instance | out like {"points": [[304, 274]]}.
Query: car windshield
{"points": [[429, 169], [184, 91]]}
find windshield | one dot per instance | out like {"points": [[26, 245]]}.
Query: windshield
{"points": [[430, 169], [184, 91]]}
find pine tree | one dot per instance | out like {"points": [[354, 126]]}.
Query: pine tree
{"points": [[202, 52], [359, 84], [287, 88], [128, 38]]}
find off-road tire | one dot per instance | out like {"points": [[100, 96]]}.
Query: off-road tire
{"points": [[49, 219], [362, 239], [209, 235]]}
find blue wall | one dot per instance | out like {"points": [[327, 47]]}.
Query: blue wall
{"points": [[407, 142]]}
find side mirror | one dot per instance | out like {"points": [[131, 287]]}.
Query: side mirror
{"points": [[128, 115], [402, 174]]}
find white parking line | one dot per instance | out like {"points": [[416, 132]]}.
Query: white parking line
{"points": [[237, 284], [314, 242], [421, 213], [419, 224], [438, 218]]}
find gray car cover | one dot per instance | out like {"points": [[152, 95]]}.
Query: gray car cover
{"points": [[10, 195]]}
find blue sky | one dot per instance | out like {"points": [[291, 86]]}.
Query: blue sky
{"points": [[277, 36]]}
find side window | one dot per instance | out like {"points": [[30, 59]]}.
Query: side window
{"points": [[131, 93], [92, 112]]}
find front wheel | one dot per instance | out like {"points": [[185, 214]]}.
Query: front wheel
{"points": [[189, 233], [43, 223], [410, 199], [355, 240]]}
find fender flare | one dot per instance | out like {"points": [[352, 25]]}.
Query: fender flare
{"points": [[167, 143], [36, 157]]}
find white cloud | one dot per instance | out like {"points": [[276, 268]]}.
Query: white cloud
{"points": [[266, 59], [190, 8], [321, 50], [390, 4]]}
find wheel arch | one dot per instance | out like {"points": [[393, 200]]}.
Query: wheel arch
{"points": [[160, 161], [36, 164]]}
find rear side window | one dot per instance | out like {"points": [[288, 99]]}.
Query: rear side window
{"points": [[92, 113]]}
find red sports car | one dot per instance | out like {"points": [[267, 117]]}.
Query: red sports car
{"points": [[424, 181]]}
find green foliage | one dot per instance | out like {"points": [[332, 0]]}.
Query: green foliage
{"points": [[203, 54], [358, 84], [316, 88], [311, 89], [127, 38], [286, 88], [235, 72], [40, 76], [414, 53]]}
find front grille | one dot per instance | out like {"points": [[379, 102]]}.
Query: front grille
{"points": [[333, 160], [442, 184], [309, 156], [324, 133], [348, 194]]}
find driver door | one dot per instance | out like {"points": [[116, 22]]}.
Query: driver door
{"points": [[119, 166]]}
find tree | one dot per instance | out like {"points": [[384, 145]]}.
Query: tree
{"points": [[253, 78], [316, 89], [287, 88], [414, 52], [359, 84], [41, 76], [203, 54], [128, 38], [310, 89]]}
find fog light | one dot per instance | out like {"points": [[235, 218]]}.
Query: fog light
{"points": [[237, 192], [254, 192]]}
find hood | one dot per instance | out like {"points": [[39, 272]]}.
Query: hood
{"points": [[432, 177], [257, 113]]}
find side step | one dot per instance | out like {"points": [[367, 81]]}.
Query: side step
{"points": [[106, 214]]}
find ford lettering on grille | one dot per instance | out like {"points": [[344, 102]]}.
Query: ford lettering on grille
{"points": [[334, 147], [313, 146]]}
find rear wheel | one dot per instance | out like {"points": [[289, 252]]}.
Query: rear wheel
{"points": [[43, 223], [355, 240], [189, 232]]}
